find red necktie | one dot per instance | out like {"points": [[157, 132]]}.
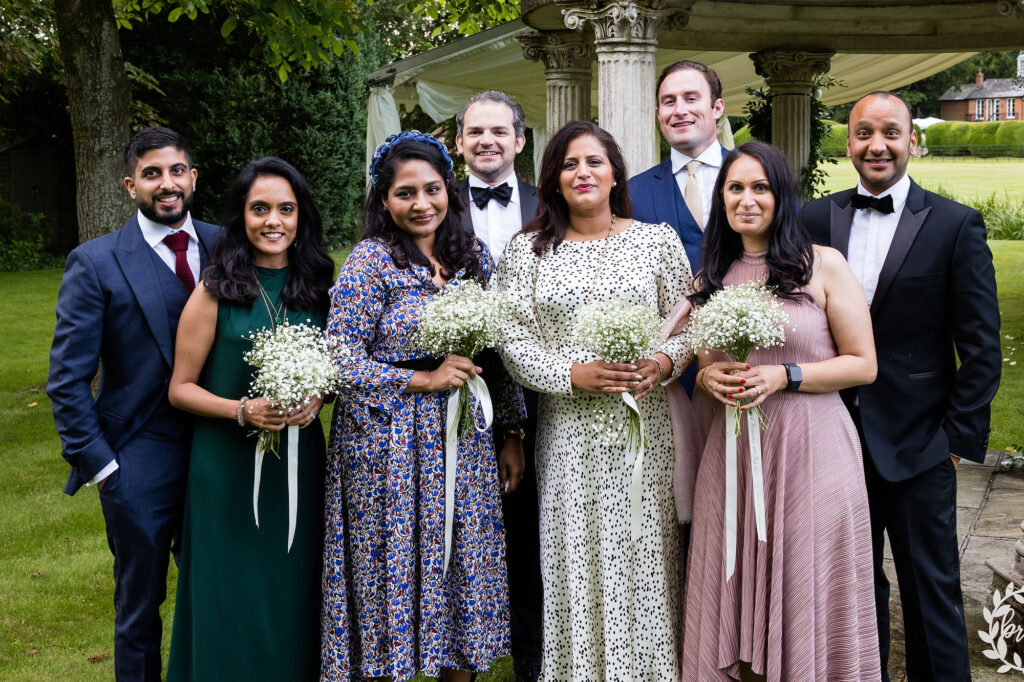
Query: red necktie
{"points": [[178, 242]]}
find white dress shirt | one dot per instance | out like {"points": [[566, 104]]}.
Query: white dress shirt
{"points": [[707, 174], [871, 234], [495, 224], [154, 234]]}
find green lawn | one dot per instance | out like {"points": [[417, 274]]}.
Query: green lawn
{"points": [[975, 178], [56, 609]]}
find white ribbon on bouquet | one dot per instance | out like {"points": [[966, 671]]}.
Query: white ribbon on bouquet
{"points": [[293, 482], [478, 388], [636, 478], [731, 473]]}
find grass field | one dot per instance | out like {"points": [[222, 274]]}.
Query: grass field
{"points": [[56, 610], [975, 178]]}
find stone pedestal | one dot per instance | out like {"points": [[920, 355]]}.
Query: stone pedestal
{"points": [[790, 75], [567, 59], [1004, 572], [625, 40]]}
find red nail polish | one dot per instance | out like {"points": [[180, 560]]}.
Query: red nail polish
{"points": [[748, 366], [729, 395], [733, 404], [743, 381], [742, 389]]}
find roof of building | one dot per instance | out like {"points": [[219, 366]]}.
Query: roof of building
{"points": [[992, 87]]}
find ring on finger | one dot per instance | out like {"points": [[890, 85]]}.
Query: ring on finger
{"points": [[758, 389]]}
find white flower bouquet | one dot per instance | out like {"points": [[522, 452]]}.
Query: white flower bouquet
{"points": [[294, 362], [739, 320], [463, 320], [618, 332]]}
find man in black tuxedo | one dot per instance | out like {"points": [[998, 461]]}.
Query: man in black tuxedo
{"points": [[119, 303], [929, 280], [490, 133]]}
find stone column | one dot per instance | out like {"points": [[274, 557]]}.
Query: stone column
{"points": [[790, 74], [566, 57], [626, 39]]}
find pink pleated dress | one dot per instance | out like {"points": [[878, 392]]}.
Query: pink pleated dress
{"points": [[801, 605]]}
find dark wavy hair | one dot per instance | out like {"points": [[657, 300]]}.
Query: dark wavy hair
{"points": [[790, 256], [454, 247], [231, 276], [548, 228]]}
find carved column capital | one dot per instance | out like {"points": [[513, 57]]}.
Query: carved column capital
{"points": [[1011, 8], [562, 51], [791, 71], [625, 21]]}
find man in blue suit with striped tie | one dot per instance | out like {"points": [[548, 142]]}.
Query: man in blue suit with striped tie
{"points": [[678, 191]]}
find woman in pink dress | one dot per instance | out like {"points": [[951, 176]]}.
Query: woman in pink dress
{"points": [[799, 604]]}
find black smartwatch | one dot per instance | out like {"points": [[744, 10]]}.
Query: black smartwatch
{"points": [[794, 377]]}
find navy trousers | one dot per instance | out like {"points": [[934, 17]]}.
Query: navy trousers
{"points": [[142, 506]]}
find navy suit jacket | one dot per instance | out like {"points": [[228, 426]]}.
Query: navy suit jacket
{"points": [[109, 309], [935, 302], [655, 198]]}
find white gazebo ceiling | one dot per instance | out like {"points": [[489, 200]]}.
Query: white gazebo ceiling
{"points": [[441, 80]]}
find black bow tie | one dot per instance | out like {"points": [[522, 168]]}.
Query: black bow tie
{"points": [[880, 204], [481, 195]]}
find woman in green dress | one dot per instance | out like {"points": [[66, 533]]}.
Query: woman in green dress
{"points": [[248, 608]]}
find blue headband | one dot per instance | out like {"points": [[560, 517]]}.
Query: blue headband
{"points": [[387, 145]]}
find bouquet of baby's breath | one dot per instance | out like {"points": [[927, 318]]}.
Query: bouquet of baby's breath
{"points": [[739, 320], [293, 362], [618, 332], [462, 320]]}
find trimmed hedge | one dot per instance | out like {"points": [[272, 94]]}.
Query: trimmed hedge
{"points": [[988, 138], [833, 145]]}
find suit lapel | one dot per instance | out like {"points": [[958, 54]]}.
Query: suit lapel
{"points": [[664, 191], [911, 220], [839, 227], [462, 189], [528, 202], [137, 266]]}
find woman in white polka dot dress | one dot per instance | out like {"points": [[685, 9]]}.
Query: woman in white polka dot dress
{"points": [[611, 606]]}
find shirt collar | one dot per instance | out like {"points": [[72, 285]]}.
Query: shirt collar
{"points": [[899, 193], [474, 181], [712, 156], [154, 233]]}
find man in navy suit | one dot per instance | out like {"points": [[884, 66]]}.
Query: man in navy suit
{"points": [[678, 191], [928, 276], [491, 131], [118, 310]]}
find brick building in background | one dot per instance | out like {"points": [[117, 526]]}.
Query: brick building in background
{"points": [[995, 99]]}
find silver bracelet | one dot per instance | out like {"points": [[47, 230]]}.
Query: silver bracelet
{"points": [[661, 368], [241, 404]]}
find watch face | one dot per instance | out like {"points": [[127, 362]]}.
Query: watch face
{"points": [[796, 374]]}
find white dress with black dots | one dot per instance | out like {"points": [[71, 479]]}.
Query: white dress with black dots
{"points": [[611, 612]]}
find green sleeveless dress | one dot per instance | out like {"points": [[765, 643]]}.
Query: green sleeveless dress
{"points": [[246, 608]]}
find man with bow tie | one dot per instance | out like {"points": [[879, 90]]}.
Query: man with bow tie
{"points": [[491, 131], [928, 276]]}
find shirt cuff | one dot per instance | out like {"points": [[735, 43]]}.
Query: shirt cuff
{"points": [[104, 472]]}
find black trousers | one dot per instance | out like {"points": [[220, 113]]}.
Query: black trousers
{"points": [[919, 516], [522, 550]]}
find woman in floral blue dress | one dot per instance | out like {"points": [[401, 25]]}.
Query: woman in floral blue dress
{"points": [[385, 463]]}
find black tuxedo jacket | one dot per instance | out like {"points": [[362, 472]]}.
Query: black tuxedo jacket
{"points": [[527, 201], [935, 302]]}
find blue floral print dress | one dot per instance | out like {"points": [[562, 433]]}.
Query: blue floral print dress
{"points": [[388, 610]]}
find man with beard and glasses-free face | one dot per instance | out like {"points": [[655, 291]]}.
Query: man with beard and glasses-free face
{"points": [[118, 311], [928, 276], [490, 133]]}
